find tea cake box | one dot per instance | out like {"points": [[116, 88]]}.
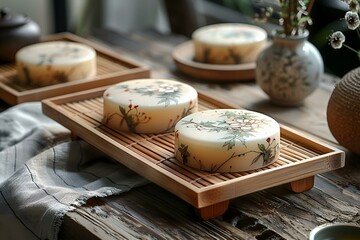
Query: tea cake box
{"points": [[53, 62], [228, 43], [148, 105], [227, 140]]}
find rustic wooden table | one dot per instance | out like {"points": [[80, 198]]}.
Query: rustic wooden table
{"points": [[150, 212]]}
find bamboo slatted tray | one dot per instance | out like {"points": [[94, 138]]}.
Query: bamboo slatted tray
{"points": [[111, 68], [151, 155]]}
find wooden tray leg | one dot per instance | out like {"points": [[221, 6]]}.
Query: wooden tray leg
{"points": [[302, 185], [212, 211], [73, 136]]}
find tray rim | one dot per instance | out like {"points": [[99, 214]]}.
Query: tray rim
{"points": [[135, 70], [333, 158]]}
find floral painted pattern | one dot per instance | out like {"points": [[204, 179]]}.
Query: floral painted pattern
{"points": [[165, 92], [266, 152], [136, 114], [55, 62], [236, 128], [289, 70], [62, 49], [231, 55]]}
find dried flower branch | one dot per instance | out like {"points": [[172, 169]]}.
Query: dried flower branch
{"points": [[294, 17], [337, 39]]}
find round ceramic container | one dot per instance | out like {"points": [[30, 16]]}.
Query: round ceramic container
{"points": [[228, 43], [48, 63], [336, 231], [227, 140], [148, 105]]}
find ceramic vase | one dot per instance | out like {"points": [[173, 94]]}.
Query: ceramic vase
{"points": [[343, 111], [289, 69]]}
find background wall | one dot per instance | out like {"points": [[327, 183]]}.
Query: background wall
{"points": [[84, 15], [135, 14], [38, 10]]}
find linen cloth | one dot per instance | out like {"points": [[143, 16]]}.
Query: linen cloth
{"points": [[43, 174]]}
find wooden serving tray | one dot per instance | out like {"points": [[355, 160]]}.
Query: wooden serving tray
{"points": [[151, 155], [111, 68], [183, 55]]}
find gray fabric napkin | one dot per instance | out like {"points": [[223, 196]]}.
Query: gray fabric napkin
{"points": [[43, 174]]}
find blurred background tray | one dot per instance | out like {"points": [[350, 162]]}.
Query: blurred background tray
{"points": [[111, 68], [183, 56], [152, 155]]}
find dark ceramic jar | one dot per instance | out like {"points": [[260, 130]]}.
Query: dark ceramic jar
{"points": [[16, 31]]}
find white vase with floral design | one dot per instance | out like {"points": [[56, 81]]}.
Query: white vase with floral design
{"points": [[289, 69]]}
